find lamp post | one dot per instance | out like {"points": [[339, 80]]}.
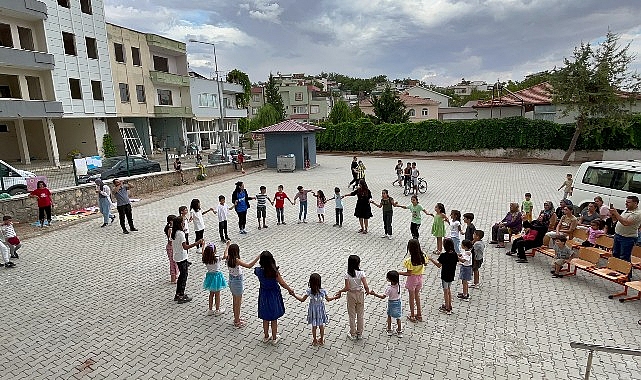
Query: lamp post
{"points": [[220, 95]]}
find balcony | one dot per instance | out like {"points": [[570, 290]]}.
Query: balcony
{"points": [[31, 10], [235, 113], [26, 59], [171, 111], [29, 109], [161, 77], [166, 45], [232, 88]]}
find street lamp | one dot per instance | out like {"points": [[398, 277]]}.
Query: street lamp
{"points": [[220, 95]]}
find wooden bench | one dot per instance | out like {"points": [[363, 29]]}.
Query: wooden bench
{"points": [[603, 245], [587, 261], [636, 285], [616, 271], [636, 257], [580, 235]]}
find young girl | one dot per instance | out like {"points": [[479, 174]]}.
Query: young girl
{"points": [[339, 207], [438, 226], [214, 279], [182, 213], [595, 230], [270, 301], [236, 280], [465, 273], [416, 209], [455, 229], [173, 268], [394, 308], [316, 315], [180, 248], [196, 215], [43, 195], [414, 269], [447, 261], [355, 283], [386, 203], [320, 205]]}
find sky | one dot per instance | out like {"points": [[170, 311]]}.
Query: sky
{"points": [[437, 41]]}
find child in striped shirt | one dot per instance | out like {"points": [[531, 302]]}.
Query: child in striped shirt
{"points": [[261, 206]]}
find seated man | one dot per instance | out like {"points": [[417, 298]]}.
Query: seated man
{"points": [[562, 254], [566, 226], [527, 241]]}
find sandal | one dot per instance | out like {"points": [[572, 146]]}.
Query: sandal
{"points": [[419, 318], [360, 231], [411, 318], [364, 231]]}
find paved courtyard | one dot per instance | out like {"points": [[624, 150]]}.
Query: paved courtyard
{"points": [[89, 302]]}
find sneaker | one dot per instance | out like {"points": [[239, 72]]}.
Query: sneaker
{"points": [[104, 225], [184, 299], [460, 295], [390, 332], [210, 312], [283, 223], [176, 297], [276, 340], [219, 312], [10, 264], [359, 336], [133, 229], [442, 309], [389, 237], [278, 224], [521, 261], [557, 275], [476, 286], [384, 236], [299, 221], [304, 220], [266, 339], [449, 312], [265, 227], [465, 298], [351, 337], [15, 256], [335, 225], [125, 232], [112, 218], [399, 333]]}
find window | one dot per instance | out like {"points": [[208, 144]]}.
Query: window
{"points": [[425, 112], [63, 3], [161, 64], [96, 90], [69, 42], [74, 87], [411, 112], [4, 128], [135, 56], [298, 96], [92, 48], [213, 100], [140, 93], [26, 38], [164, 98], [5, 36], [255, 98], [85, 6], [124, 92], [33, 85], [254, 111], [119, 52], [314, 109], [203, 100], [227, 103], [298, 110]]}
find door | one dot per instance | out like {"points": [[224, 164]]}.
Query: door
{"points": [[305, 149]]}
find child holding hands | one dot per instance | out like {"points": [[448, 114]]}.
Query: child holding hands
{"points": [[394, 308], [316, 315]]}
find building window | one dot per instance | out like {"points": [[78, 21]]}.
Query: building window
{"points": [[425, 112], [96, 89], [299, 110], [298, 96], [4, 128], [33, 85], [92, 48], [5, 36], [227, 103], [140, 93], [85, 6], [164, 98], [26, 38], [135, 56], [161, 64], [74, 87], [411, 112], [202, 100], [314, 109], [119, 52], [124, 92], [254, 111], [63, 3], [255, 98], [69, 42]]}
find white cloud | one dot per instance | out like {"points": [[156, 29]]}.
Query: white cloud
{"points": [[264, 10], [184, 30]]}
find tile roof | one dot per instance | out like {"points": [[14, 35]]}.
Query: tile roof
{"points": [[257, 90], [290, 126], [540, 94], [407, 99]]}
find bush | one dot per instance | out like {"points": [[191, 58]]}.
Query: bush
{"points": [[108, 146]]}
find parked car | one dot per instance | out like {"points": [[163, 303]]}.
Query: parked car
{"points": [[234, 154], [13, 181], [114, 167]]}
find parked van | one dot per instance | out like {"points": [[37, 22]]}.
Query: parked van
{"points": [[612, 180], [12, 180]]}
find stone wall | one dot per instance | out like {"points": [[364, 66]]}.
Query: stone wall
{"points": [[23, 208]]}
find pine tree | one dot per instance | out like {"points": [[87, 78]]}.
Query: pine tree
{"points": [[272, 96]]}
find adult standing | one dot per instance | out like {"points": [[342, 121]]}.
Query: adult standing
{"points": [[363, 210], [241, 159], [626, 229], [354, 165], [104, 202], [240, 199], [178, 167], [123, 204], [44, 202]]}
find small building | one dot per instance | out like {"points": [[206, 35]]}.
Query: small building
{"points": [[290, 137]]}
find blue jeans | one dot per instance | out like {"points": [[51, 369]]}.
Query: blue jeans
{"points": [[303, 210], [622, 247], [457, 244], [105, 206]]}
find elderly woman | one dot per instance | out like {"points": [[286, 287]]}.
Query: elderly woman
{"points": [[549, 218], [512, 224], [104, 202], [589, 214]]}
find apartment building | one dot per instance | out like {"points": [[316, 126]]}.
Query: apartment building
{"points": [[256, 101]]}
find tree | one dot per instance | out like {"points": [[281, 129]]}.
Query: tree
{"points": [[340, 112], [272, 96], [267, 115], [591, 84], [389, 108], [357, 113], [108, 147], [239, 77]]}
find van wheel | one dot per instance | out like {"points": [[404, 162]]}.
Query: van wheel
{"points": [[17, 191]]}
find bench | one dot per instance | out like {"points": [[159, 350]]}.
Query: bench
{"points": [[587, 261], [636, 257], [616, 271], [636, 285], [603, 245], [580, 235]]}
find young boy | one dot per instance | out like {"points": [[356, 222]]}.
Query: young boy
{"points": [[567, 186], [10, 236], [279, 201], [4, 251], [415, 174], [339, 207], [302, 195], [407, 176], [468, 217], [399, 173], [447, 261], [562, 255], [478, 247], [222, 211], [261, 205], [526, 207]]}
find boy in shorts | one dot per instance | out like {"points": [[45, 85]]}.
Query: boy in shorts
{"points": [[447, 261], [261, 205], [562, 254], [478, 247], [465, 274]]}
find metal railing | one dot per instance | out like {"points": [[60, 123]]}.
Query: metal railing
{"points": [[595, 347]]}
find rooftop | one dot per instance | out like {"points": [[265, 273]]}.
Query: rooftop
{"points": [[290, 126]]}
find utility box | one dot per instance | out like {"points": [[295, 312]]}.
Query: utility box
{"points": [[286, 163]]}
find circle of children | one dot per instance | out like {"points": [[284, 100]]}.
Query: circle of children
{"points": [[270, 301]]}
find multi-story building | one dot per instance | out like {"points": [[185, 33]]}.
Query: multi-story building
{"points": [[465, 87], [418, 109], [256, 101], [27, 100]]}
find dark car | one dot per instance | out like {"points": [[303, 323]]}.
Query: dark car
{"points": [[115, 167]]}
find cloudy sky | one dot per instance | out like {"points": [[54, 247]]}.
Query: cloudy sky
{"points": [[437, 41]]}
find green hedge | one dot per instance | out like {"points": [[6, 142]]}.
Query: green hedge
{"points": [[511, 133]]}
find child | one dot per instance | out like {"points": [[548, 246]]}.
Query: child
{"points": [[407, 176], [236, 280], [438, 226], [316, 315], [526, 207], [279, 200], [595, 230], [386, 203], [261, 205], [339, 207], [567, 186], [270, 301], [5, 252], [416, 209], [399, 173], [415, 267], [173, 268], [415, 174], [302, 195], [182, 212], [223, 212], [180, 248], [455, 229], [465, 274], [355, 282], [43, 195], [562, 254], [478, 248], [10, 236], [447, 261], [196, 215], [468, 217], [214, 279], [394, 307], [320, 205]]}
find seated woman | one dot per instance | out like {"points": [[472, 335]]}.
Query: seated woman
{"points": [[549, 217], [528, 241], [512, 224], [589, 214], [562, 204], [567, 225]]}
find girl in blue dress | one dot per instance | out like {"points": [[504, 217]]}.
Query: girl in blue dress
{"points": [[316, 315], [214, 279]]}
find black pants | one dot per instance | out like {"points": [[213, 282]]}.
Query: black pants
{"points": [[519, 245], [242, 219], [354, 180], [42, 211], [407, 182], [339, 216], [222, 230], [280, 214], [387, 222], [413, 229], [183, 267], [125, 210], [498, 233], [199, 235]]}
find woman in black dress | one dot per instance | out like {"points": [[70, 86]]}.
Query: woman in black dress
{"points": [[363, 208]]}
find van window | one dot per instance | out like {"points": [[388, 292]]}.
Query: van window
{"points": [[598, 176], [613, 179]]}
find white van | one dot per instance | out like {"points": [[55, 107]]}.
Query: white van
{"points": [[12, 180], [612, 180]]}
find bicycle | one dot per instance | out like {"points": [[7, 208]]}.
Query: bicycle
{"points": [[422, 187]]}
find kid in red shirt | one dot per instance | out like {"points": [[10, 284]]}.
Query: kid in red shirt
{"points": [[279, 203], [44, 202]]}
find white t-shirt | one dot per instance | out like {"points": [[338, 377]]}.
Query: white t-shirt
{"points": [[455, 229], [186, 224], [197, 217], [355, 283], [180, 254], [467, 256], [604, 212], [235, 271], [215, 267], [392, 292], [222, 211]]}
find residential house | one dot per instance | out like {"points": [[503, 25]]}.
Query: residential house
{"points": [[465, 87], [426, 93], [419, 109], [256, 100]]}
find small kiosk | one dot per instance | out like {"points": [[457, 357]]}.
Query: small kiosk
{"points": [[291, 137]]}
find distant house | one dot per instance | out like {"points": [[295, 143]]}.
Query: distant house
{"points": [[465, 87], [419, 109], [426, 93]]}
